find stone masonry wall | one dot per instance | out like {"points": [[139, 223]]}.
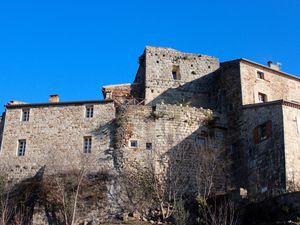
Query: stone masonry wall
{"points": [[194, 76], [54, 137], [291, 113], [275, 85], [174, 132], [1, 128], [265, 159]]}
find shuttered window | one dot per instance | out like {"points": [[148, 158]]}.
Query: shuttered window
{"points": [[262, 132]]}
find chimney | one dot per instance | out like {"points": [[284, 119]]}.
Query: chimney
{"points": [[274, 66], [54, 98]]}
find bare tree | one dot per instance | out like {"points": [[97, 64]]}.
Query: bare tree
{"points": [[157, 181], [6, 209], [217, 212], [213, 178], [61, 187]]}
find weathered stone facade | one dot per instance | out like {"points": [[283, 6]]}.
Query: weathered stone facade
{"points": [[2, 119], [264, 159], [291, 124], [173, 77], [252, 110], [54, 135]]}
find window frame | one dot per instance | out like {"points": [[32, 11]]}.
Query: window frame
{"points": [[262, 132], [132, 141], [87, 144], [21, 150], [260, 75], [25, 115], [89, 111], [265, 97]]}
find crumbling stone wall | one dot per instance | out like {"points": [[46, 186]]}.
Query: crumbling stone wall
{"points": [[275, 85], [123, 93], [174, 132], [291, 122], [193, 76], [265, 159], [54, 137]]}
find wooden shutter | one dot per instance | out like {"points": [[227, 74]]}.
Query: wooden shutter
{"points": [[255, 135], [269, 129]]}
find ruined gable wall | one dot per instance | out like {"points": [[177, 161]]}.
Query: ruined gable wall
{"points": [[54, 136], [292, 145], [275, 86], [191, 69], [265, 160]]}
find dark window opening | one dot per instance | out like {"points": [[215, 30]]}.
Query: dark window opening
{"points": [[200, 141], [262, 98], [260, 75], [175, 73], [148, 146], [133, 143], [230, 107], [262, 132]]}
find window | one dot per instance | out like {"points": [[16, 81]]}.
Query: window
{"points": [[89, 111], [262, 132], [262, 98], [87, 145], [21, 147], [175, 73], [148, 146], [133, 143], [25, 115], [230, 107], [260, 75], [200, 141]]}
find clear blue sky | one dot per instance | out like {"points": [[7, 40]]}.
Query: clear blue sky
{"points": [[74, 47]]}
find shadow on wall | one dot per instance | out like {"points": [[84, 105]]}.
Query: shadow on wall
{"points": [[198, 165], [19, 199], [202, 92], [105, 135]]}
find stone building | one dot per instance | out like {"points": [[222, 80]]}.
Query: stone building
{"points": [[254, 111]]}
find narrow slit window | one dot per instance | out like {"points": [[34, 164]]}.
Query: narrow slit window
{"points": [[21, 147], [89, 111], [175, 73], [87, 145]]}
